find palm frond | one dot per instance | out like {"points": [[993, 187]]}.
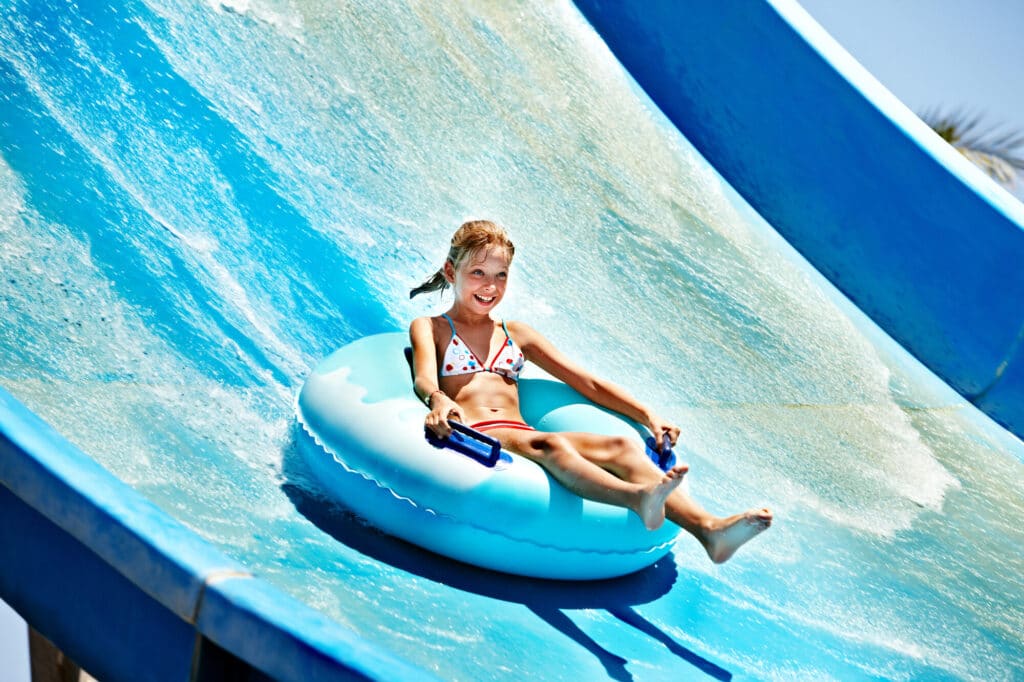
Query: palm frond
{"points": [[1000, 153]]}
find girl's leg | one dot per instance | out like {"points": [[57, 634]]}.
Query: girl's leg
{"points": [[624, 457], [555, 452]]}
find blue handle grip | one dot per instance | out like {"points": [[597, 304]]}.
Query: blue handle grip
{"points": [[469, 442], [665, 458]]}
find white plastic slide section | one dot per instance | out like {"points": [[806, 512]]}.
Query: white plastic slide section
{"points": [[13, 644], [911, 231]]}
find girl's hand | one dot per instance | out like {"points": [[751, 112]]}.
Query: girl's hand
{"points": [[442, 408], [659, 426]]}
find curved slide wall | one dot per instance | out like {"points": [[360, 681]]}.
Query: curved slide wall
{"points": [[130, 593], [908, 229]]}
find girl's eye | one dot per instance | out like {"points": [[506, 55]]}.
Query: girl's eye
{"points": [[477, 273], [502, 275]]}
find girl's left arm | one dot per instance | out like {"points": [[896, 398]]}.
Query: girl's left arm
{"points": [[543, 353]]}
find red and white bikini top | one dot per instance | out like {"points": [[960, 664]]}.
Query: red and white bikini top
{"points": [[460, 359]]}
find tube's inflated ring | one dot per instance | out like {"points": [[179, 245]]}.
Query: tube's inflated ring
{"points": [[363, 438]]}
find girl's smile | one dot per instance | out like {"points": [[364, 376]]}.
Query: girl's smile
{"points": [[480, 280]]}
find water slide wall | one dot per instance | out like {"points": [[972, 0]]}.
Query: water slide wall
{"points": [[130, 593], [899, 221]]}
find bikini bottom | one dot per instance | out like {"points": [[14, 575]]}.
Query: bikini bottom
{"points": [[501, 424]]}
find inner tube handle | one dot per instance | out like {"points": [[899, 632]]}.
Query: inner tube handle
{"points": [[664, 457], [468, 442]]}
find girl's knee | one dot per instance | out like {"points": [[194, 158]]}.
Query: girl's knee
{"points": [[625, 451], [632, 460], [622, 455], [554, 446], [623, 446]]}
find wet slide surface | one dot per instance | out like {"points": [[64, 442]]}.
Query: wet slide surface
{"points": [[903, 224], [198, 201]]}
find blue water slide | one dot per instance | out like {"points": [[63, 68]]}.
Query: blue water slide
{"points": [[912, 233], [901, 223]]}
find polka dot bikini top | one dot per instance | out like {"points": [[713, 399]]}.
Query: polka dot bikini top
{"points": [[459, 359]]}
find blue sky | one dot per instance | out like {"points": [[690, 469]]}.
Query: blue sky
{"points": [[947, 54]]}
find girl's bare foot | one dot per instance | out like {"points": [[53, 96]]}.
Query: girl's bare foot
{"points": [[724, 536], [651, 507]]}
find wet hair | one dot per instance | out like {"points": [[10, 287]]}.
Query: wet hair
{"points": [[469, 239]]}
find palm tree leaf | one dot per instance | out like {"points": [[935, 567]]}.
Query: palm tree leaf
{"points": [[1000, 153]]}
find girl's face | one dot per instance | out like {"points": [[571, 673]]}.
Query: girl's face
{"points": [[480, 280]]}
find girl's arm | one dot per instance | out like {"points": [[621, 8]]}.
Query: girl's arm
{"points": [[425, 384], [543, 353]]}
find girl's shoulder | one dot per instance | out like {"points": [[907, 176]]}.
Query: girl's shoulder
{"points": [[425, 324], [429, 320], [436, 326], [518, 329]]}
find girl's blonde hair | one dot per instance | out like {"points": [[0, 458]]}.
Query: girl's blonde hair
{"points": [[470, 238]]}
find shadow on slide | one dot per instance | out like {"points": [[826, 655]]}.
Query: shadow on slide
{"points": [[548, 599]]}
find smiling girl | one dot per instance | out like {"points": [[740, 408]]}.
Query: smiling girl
{"points": [[467, 365]]}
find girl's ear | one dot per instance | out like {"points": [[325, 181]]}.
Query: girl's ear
{"points": [[449, 272]]}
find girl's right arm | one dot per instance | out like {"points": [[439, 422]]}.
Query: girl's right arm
{"points": [[543, 353], [424, 362]]}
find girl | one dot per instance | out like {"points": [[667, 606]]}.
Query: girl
{"points": [[467, 365]]}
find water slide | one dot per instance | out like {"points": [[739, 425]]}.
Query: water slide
{"points": [[200, 200]]}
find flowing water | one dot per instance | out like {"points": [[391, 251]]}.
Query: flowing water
{"points": [[200, 200]]}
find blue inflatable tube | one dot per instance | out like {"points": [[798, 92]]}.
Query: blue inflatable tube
{"points": [[363, 438]]}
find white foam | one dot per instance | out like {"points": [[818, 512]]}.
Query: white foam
{"points": [[279, 14]]}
